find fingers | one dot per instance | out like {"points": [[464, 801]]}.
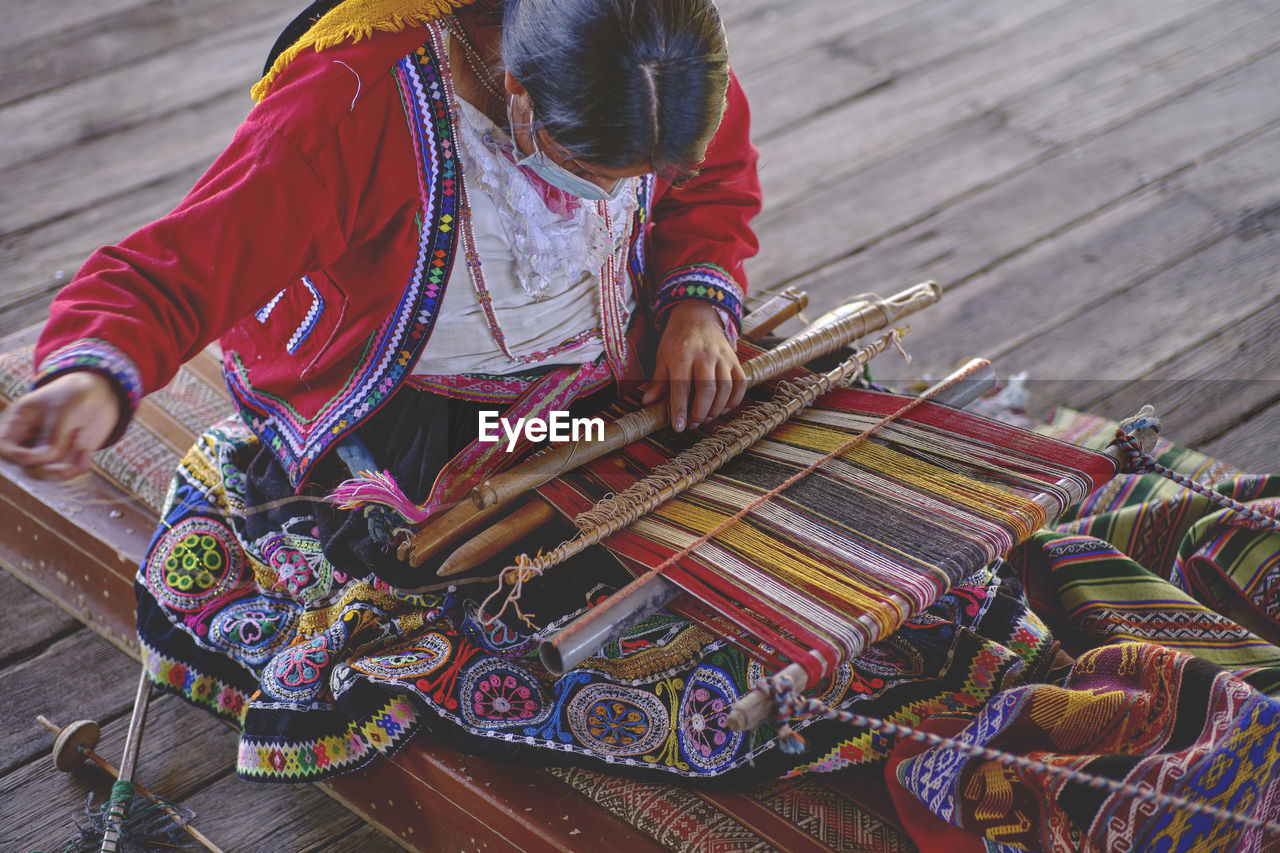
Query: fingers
{"points": [[704, 391], [54, 430], [697, 367], [28, 437], [697, 390], [678, 397], [76, 463], [723, 390], [739, 378]]}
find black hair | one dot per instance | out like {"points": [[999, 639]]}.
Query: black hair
{"points": [[621, 82]]}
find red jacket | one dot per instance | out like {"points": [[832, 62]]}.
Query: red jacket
{"points": [[318, 246]]}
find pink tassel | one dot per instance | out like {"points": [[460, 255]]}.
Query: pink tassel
{"points": [[374, 489]]}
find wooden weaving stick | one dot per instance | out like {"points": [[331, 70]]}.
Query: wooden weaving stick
{"points": [[523, 522], [502, 534], [774, 313], [430, 539]]}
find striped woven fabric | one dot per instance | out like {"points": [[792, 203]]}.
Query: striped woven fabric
{"points": [[1143, 559], [842, 557]]}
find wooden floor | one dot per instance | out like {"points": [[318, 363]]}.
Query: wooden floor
{"points": [[1094, 183]]}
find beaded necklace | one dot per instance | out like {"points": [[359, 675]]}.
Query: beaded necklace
{"points": [[610, 292], [472, 56]]}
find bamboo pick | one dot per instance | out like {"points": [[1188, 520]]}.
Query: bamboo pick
{"points": [[634, 426], [432, 537], [498, 537], [774, 313]]}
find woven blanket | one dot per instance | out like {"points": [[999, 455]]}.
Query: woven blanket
{"points": [[1169, 693]]}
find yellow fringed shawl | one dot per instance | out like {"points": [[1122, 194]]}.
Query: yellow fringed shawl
{"points": [[353, 20]]}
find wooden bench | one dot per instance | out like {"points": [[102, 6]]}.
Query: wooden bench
{"points": [[80, 546]]}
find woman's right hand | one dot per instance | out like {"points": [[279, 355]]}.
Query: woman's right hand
{"points": [[53, 431]]}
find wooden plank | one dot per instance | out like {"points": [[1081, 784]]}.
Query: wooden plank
{"points": [[815, 153], [1102, 254], [1120, 338], [775, 35], [428, 798], [1058, 203], [32, 624], [104, 682], [1130, 80], [41, 64], [1221, 379], [26, 20], [240, 815], [81, 553], [37, 801], [978, 233], [228, 63], [48, 189], [364, 839], [1252, 444], [800, 240], [823, 55], [789, 248]]}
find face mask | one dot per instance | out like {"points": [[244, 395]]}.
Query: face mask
{"points": [[556, 175]]}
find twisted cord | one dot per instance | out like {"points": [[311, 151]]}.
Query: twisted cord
{"points": [[790, 706], [1143, 462]]}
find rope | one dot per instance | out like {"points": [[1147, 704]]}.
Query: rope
{"points": [[789, 706]]}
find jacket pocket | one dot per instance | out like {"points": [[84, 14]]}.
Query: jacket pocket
{"points": [[304, 318]]}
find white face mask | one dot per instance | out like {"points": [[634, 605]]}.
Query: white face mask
{"points": [[556, 175]]}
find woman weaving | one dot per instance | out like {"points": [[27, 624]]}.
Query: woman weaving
{"points": [[427, 215]]}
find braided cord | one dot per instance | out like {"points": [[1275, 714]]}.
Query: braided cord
{"points": [[1143, 462], [789, 705]]}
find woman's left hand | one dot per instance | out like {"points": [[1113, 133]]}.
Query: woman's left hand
{"points": [[696, 366]]}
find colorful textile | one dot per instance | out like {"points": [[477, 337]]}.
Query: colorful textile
{"points": [[269, 617], [838, 559], [1178, 700], [1145, 559], [324, 667], [1146, 715]]}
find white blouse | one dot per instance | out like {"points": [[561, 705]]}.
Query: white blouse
{"points": [[541, 254]]}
